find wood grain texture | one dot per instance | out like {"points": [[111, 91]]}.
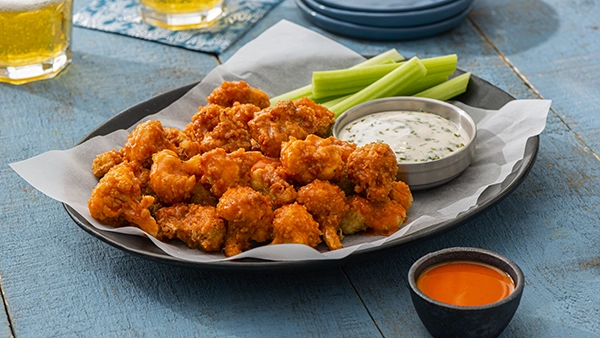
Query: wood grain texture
{"points": [[5, 330], [474, 54], [60, 281], [550, 226], [553, 44]]}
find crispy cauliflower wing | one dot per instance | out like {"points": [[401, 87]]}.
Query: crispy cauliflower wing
{"points": [[274, 125], [270, 178], [222, 170], [146, 139], [231, 133], [238, 91], [117, 199], [203, 121], [292, 223], [314, 158], [243, 112], [373, 168], [197, 226], [401, 194], [216, 126], [324, 118], [172, 179], [186, 147], [249, 218], [106, 160], [326, 202], [380, 218]]}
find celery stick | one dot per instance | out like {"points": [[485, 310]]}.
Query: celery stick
{"points": [[346, 81], [441, 64], [448, 89], [381, 58], [423, 83], [307, 90], [445, 64], [322, 100], [333, 102], [395, 81], [293, 95]]}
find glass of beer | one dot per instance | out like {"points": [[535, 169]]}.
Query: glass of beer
{"points": [[181, 14], [35, 39]]}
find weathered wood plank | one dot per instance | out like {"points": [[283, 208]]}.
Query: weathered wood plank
{"points": [[553, 44], [474, 54], [4, 321], [549, 226], [60, 281]]}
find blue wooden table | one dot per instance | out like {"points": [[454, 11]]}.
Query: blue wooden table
{"points": [[58, 281]]}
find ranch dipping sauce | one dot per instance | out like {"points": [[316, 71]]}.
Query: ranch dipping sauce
{"points": [[415, 136]]}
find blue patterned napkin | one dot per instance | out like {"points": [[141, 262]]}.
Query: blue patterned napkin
{"points": [[123, 17]]}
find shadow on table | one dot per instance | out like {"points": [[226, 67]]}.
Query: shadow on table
{"points": [[516, 25]]}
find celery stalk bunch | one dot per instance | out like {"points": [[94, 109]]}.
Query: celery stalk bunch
{"points": [[385, 75]]}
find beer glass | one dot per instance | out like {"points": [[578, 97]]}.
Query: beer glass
{"points": [[35, 39], [181, 14]]}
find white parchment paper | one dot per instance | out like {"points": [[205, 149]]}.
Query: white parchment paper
{"points": [[279, 60]]}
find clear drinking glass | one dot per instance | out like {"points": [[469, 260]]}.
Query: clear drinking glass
{"points": [[181, 14], [35, 39]]}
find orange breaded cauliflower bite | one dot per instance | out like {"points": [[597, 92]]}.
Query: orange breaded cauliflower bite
{"points": [[197, 226], [326, 202], [243, 173], [249, 218], [373, 169], [314, 158], [231, 92], [292, 223], [118, 200]]}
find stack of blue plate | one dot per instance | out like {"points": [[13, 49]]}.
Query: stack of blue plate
{"points": [[386, 19]]}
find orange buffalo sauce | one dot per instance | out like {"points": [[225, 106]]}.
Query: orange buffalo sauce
{"points": [[465, 283]]}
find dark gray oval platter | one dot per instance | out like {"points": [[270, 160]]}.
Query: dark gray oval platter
{"points": [[480, 93]]}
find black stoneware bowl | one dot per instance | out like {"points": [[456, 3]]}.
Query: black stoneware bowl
{"points": [[447, 320]]}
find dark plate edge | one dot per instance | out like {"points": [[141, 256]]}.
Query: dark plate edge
{"points": [[161, 101]]}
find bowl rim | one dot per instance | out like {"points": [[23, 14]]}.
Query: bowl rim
{"points": [[516, 294], [471, 143]]}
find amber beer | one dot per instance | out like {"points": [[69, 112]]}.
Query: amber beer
{"points": [[35, 38], [181, 14]]}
